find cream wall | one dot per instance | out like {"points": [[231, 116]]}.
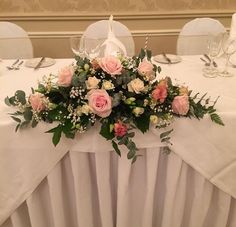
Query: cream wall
{"points": [[50, 23]]}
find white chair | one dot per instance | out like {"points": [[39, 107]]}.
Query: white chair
{"points": [[96, 33], [14, 42], [194, 35]]}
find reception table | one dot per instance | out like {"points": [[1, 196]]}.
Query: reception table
{"points": [[82, 182]]}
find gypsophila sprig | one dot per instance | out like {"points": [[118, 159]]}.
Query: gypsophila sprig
{"points": [[122, 93]]}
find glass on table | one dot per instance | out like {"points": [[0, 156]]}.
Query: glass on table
{"points": [[93, 47], [77, 44], [229, 48], [213, 48], [85, 47]]}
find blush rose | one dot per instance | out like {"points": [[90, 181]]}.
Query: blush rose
{"points": [[65, 76], [37, 101], [160, 93], [180, 105], [145, 68], [120, 129], [111, 65], [100, 102]]}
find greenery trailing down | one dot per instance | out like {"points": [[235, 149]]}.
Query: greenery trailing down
{"points": [[122, 93]]}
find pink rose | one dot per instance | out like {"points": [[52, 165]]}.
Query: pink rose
{"points": [[37, 101], [180, 105], [145, 68], [120, 129], [100, 102], [111, 65], [160, 93], [65, 76]]}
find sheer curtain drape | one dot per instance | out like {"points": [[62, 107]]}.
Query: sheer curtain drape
{"points": [[103, 190]]}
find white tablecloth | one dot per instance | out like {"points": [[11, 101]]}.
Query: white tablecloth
{"points": [[27, 157]]}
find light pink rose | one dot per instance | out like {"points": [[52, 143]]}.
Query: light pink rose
{"points": [[120, 129], [145, 68], [111, 65], [160, 93], [100, 102], [180, 105], [65, 76], [37, 101]]}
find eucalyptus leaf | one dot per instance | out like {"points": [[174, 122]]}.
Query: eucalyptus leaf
{"points": [[134, 159], [17, 127], [34, 123], [115, 146], [16, 119], [7, 101], [28, 114], [24, 124], [164, 134], [75, 81], [21, 96], [131, 154]]}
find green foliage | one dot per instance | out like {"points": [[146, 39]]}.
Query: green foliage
{"points": [[116, 148], [216, 118], [142, 123], [131, 96], [105, 130], [56, 134], [20, 95]]}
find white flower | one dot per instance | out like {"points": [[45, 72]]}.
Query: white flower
{"points": [[136, 86], [145, 102], [79, 110], [154, 119], [85, 109], [138, 111], [92, 83], [107, 85]]}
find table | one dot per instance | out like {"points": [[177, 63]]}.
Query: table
{"points": [[113, 188]]}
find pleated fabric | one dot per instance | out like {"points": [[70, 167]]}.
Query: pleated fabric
{"points": [[104, 190]]}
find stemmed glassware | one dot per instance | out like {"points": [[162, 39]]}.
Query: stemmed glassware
{"points": [[213, 47], [229, 48], [77, 44], [85, 47]]}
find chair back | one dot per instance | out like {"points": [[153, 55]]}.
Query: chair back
{"points": [[97, 33], [193, 37], [14, 42]]}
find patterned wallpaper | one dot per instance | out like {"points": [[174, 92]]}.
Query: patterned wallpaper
{"points": [[90, 6]]}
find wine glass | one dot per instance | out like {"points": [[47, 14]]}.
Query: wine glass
{"points": [[213, 46], [93, 47], [229, 48], [77, 44]]}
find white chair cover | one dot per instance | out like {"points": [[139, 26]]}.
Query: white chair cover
{"points": [[14, 42], [96, 33], [233, 26], [193, 37]]}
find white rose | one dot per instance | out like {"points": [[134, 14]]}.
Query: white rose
{"points": [[136, 86], [85, 109], [138, 111], [145, 102], [79, 110], [92, 83], [107, 85], [154, 119]]}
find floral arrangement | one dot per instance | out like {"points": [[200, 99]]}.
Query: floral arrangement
{"points": [[122, 93]]}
